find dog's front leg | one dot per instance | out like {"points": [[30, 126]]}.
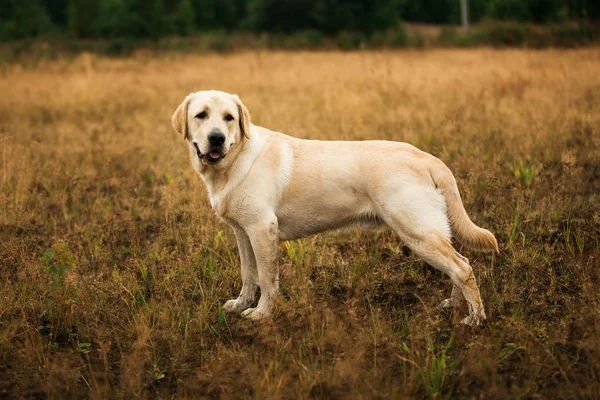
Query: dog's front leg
{"points": [[264, 237], [249, 274]]}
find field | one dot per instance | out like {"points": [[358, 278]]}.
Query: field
{"points": [[114, 268]]}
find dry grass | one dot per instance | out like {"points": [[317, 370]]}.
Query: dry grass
{"points": [[114, 267]]}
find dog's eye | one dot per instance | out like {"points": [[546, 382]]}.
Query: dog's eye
{"points": [[202, 115], [228, 117]]}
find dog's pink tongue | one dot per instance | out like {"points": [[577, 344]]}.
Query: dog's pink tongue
{"points": [[214, 155]]}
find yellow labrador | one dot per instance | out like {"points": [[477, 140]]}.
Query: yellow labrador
{"points": [[270, 187]]}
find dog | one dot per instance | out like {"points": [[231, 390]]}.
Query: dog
{"points": [[270, 187]]}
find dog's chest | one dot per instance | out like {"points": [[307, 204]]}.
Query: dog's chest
{"points": [[219, 196], [219, 206], [224, 205]]}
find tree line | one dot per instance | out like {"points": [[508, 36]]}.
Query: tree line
{"points": [[156, 18]]}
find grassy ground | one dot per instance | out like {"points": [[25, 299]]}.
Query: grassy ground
{"points": [[113, 267]]}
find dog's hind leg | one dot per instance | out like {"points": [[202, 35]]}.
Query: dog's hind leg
{"points": [[456, 296], [419, 218], [437, 251], [454, 300]]}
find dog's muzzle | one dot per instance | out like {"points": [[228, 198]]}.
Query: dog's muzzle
{"points": [[212, 157]]}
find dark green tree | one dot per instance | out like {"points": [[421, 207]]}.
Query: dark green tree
{"points": [[184, 18], [514, 10], [113, 19], [214, 15], [280, 15], [365, 16], [356, 18], [585, 11], [57, 11], [81, 17], [25, 18], [232, 14], [431, 11], [477, 11], [154, 18]]}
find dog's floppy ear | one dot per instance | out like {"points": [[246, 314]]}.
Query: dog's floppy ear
{"points": [[179, 119], [244, 117]]}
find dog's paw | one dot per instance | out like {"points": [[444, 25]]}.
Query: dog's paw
{"points": [[474, 321], [255, 313], [448, 303], [235, 305]]}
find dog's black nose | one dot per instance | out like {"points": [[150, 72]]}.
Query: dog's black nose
{"points": [[216, 138]]}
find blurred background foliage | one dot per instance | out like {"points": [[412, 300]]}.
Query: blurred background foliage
{"points": [[153, 19]]}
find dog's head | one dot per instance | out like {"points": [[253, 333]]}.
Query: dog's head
{"points": [[212, 122]]}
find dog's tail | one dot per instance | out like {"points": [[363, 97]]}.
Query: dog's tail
{"points": [[465, 231]]}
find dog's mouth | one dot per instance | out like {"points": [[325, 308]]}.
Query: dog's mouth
{"points": [[212, 157]]}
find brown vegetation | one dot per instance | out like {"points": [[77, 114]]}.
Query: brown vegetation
{"points": [[113, 267]]}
